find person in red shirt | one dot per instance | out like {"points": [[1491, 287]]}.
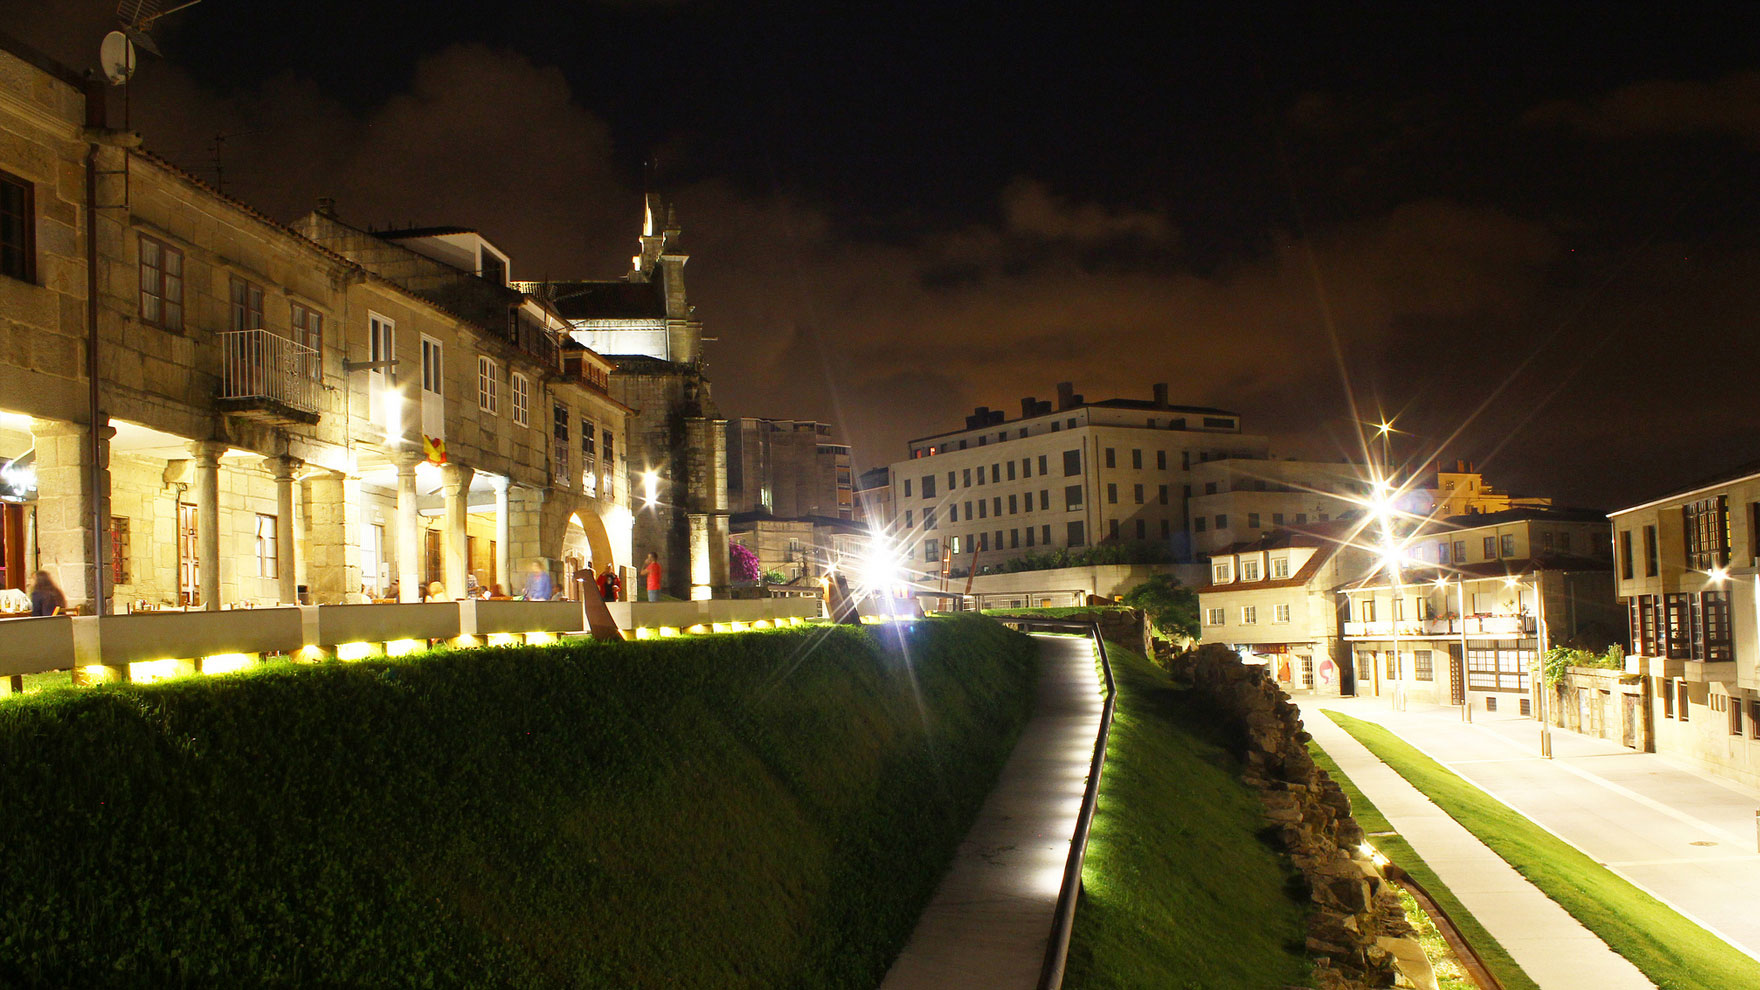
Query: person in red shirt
{"points": [[608, 584], [651, 571]]}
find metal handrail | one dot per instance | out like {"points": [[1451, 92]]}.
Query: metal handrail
{"points": [[1064, 917], [262, 364]]}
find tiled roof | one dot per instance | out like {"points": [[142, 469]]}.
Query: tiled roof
{"points": [[408, 232], [1542, 513], [618, 300]]}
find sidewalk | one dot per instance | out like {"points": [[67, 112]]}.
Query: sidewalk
{"points": [[988, 923], [1685, 839], [1555, 950]]}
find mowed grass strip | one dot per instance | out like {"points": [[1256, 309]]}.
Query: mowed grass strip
{"points": [[1673, 952], [1178, 889], [767, 809], [1401, 853]]}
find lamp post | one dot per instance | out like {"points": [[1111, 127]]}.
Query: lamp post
{"points": [[1537, 673]]}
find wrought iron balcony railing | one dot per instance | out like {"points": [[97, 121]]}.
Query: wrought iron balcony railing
{"points": [[265, 371]]}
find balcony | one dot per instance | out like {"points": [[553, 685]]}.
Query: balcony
{"points": [[1476, 626], [265, 376]]}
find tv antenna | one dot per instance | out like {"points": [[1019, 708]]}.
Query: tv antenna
{"points": [[139, 16]]}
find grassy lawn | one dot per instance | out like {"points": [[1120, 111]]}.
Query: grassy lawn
{"points": [[763, 809], [1671, 951], [1397, 849], [1178, 889]]}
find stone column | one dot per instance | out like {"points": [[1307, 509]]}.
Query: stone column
{"points": [[207, 463], [456, 487], [503, 535], [65, 543], [283, 470], [330, 500], [409, 563]]}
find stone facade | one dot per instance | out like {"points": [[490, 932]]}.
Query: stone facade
{"points": [[237, 379]]}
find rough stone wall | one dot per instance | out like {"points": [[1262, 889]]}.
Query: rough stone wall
{"points": [[1356, 910]]}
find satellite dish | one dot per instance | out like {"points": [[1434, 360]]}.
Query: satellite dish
{"points": [[116, 55]]}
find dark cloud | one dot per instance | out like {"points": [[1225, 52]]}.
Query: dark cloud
{"points": [[1729, 107]]}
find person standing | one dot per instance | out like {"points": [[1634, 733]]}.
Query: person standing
{"points": [[608, 588], [46, 597], [538, 586], [651, 571]]}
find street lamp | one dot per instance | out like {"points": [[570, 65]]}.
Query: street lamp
{"points": [[1537, 673]]}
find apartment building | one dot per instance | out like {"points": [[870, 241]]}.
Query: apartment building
{"points": [[1459, 620], [203, 407], [788, 468], [1239, 499], [1686, 566], [873, 497], [1067, 474]]}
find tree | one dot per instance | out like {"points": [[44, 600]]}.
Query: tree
{"points": [[1172, 608], [743, 564]]}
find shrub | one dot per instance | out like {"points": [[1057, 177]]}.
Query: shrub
{"points": [[1172, 607], [750, 810], [742, 564]]}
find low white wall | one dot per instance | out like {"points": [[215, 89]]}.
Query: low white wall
{"points": [[683, 615]]}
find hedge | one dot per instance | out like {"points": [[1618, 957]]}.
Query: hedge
{"points": [[766, 809]]}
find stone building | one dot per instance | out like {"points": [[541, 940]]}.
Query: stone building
{"points": [[646, 328], [788, 468], [271, 418]]}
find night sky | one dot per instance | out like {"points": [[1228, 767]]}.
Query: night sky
{"points": [[1534, 232]]}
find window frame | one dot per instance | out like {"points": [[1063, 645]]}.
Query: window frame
{"points": [[306, 324], [488, 385], [267, 546], [27, 246], [521, 388], [162, 280]]}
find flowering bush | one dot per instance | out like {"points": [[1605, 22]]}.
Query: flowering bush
{"points": [[743, 563]]}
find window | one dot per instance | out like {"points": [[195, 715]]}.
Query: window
{"points": [[1509, 545], [1011, 470], [970, 515], [1249, 615], [1498, 669], [1209, 487], [431, 367], [1680, 699], [1368, 610], [522, 402], [1460, 551], [928, 517], [928, 486], [1546, 541], [1754, 719], [1142, 528], [268, 565], [1027, 467], [1137, 459], [995, 474], [1423, 667], [1072, 463], [995, 506], [1280, 613], [488, 386], [1199, 523], [949, 485], [1249, 570], [1044, 500], [1112, 493], [1442, 552], [1221, 572], [1564, 542], [1072, 497], [1706, 524], [119, 558], [1222, 520], [1677, 626], [966, 478], [953, 512], [983, 541], [1252, 520], [18, 228], [983, 508], [161, 284], [1014, 539], [373, 571], [1625, 553], [931, 550], [1045, 533], [1042, 462], [1013, 504], [1139, 494], [907, 488], [1279, 568], [1161, 495], [1390, 666], [1077, 535], [1667, 691], [1650, 555], [1735, 716], [381, 346], [1029, 536], [1213, 617], [247, 305], [1490, 548], [559, 443], [1713, 629]]}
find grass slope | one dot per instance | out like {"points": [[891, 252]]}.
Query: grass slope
{"points": [[1671, 951], [1178, 889], [1397, 849], [757, 810]]}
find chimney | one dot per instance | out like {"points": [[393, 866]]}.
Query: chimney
{"points": [[1066, 395], [326, 206], [1028, 404], [1160, 395]]}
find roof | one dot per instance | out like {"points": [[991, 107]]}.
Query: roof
{"points": [[1740, 472], [1145, 405], [827, 522], [1420, 571], [1323, 552], [1319, 534], [620, 300], [406, 232], [1539, 513], [1148, 405]]}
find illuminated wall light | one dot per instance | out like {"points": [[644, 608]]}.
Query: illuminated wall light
{"points": [[650, 487], [310, 653], [701, 592], [795, 620], [721, 627], [643, 632], [227, 663], [466, 641], [541, 638], [403, 647], [667, 632], [763, 624], [699, 629], [356, 651], [739, 626], [504, 639], [96, 673], [149, 671]]}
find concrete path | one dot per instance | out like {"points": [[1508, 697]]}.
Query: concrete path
{"points": [[1686, 839], [1554, 950], [988, 923]]}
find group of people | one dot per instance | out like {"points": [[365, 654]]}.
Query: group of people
{"points": [[539, 587]]}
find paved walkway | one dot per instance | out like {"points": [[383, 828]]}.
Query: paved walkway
{"points": [[1686, 839], [989, 920], [1554, 950]]}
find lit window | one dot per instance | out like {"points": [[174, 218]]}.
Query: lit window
{"points": [[1214, 617], [488, 386], [267, 562], [1249, 615], [1280, 613], [432, 371], [522, 400]]}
